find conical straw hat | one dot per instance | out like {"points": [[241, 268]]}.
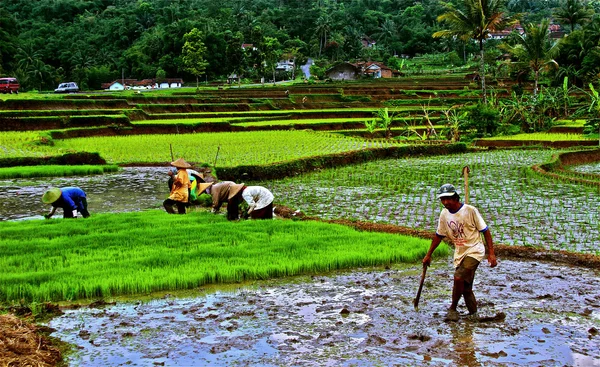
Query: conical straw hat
{"points": [[180, 163], [234, 189], [203, 186], [51, 195]]}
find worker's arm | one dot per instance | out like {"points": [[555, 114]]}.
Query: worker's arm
{"points": [[491, 255], [435, 242], [49, 215]]}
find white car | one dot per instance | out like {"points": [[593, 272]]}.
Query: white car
{"points": [[70, 87]]}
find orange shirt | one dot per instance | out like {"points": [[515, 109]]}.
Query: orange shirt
{"points": [[181, 184]]}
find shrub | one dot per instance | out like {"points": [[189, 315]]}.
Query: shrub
{"points": [[484, 119]]}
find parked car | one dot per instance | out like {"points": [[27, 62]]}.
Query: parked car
{"points": [[9, 85], [70, 87]]}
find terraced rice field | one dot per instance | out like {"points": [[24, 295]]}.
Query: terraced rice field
{"points": [[520, 208]]}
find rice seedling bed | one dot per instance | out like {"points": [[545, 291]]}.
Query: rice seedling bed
{"points": [[52, 113], [520, 208], [137, 253], [54, 171], [242, 148]]}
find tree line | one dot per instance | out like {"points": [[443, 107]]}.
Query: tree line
{"points": [[94, 41]]}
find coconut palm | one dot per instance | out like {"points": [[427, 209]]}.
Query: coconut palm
{"points": [[534, 50], [476, 20], [387, 33], [322, 29], [573, 12]]}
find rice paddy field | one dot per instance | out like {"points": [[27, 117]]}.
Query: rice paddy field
{"points": [[235, 149], [520, 208], [542, 136], [593, 168], [334, 308]]}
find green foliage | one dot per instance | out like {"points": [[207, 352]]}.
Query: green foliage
{"points": [[531, 113], [484, 119], [371, 125], [476, 20], [194, 52], [137, 253]]}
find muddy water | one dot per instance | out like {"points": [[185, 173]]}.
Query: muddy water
{"points": [[132, 189], [360, 318]]}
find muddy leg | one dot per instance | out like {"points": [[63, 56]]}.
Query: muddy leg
{"points": [[457, 292], [469, 296]]}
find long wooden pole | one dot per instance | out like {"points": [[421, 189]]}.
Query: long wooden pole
{"points": [[418, 297], [466, 170]]}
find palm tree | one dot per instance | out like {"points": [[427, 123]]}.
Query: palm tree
{"points": [[476, 21], [387, 33], [534, 50], [573, 12], [322, 28]]}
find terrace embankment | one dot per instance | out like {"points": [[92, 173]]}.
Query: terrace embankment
{"points": [[558, 167]]}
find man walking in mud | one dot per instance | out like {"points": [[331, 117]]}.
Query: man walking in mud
{"points": [[463, 224]]}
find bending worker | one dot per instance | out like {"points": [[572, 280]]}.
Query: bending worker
{"points": [[463, 224], [226, 192], [260, 201], [70, 199], [179, 191]]}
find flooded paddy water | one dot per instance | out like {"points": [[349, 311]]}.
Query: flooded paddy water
{"points": [[131, 189], [519, 207], [359, 318]]}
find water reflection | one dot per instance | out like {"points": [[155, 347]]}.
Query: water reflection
{"points": [[131, 189]]}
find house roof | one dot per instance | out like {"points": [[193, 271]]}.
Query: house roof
{"points": [[139, 83], [342, 64]]}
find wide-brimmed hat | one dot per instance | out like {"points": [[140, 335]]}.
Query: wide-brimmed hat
{"points": [[181, 163], [203, 186], [446, 190], [51, 195], [234, 189]]}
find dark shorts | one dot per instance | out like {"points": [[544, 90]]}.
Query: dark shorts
{"points": [[263, 213], [466, 269]]}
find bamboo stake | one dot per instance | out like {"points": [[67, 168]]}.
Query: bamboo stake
{"points": [[466, 172]]}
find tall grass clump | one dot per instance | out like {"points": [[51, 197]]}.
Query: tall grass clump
{"points": [[55, 171], [133, 253]]}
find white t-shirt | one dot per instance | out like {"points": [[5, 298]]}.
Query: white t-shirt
{"points": [[463, 228], [257, 195]]}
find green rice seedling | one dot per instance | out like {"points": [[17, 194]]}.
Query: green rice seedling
{"points": [[133, 253], [243, 148], [55, 171], [512, 200]]}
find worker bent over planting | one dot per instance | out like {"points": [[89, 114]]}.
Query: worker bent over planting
{"points": [[70, 199], [180, 189], [463, 224], [260, 202], [226, 192]]}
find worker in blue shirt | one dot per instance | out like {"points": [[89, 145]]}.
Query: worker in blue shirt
{"points": [[70, 199]]}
